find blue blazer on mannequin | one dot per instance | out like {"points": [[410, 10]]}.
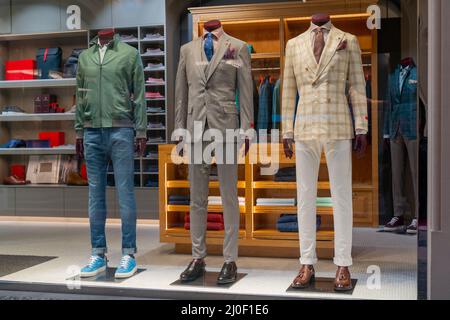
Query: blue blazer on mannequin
{"points": [[401, 112]]}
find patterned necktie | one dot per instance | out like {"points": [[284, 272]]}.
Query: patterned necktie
{"points": [[209, 46], [319, 43]]}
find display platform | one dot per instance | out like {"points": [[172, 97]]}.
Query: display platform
{"points": [[267, 278], [322, 285], [209, 280], [107, 276]]}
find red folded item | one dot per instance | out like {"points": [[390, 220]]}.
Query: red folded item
{"points": [[212, 226], [18, 170], [56, 138], [212, 217], [20, 70]]}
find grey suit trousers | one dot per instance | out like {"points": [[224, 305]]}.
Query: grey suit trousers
{"points": [[199, 182], [402, 150]]}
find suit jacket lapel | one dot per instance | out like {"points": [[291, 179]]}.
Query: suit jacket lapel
{"points": [[199, 58], [222, 46], [406, 79], [334, 39], [307, 50]]}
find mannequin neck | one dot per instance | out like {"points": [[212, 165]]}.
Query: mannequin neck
{"points": [[212, 25], [320, 19], [106, 36]]}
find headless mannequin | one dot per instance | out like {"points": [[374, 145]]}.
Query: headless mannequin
{"points": [[105, 36], [361, 139], [210, 26]]}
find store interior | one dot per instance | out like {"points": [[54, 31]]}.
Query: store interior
{"points": [[44, 225]]}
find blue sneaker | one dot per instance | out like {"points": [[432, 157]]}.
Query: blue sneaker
{"points": [[95, 266], [126, 268]]}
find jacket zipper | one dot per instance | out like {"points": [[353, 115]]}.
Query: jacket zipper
{"points": [[100, 94]]}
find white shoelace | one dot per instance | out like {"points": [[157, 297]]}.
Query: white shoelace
{"points": [[393, 220], [125, 261], [414, 223], [93, 260]]}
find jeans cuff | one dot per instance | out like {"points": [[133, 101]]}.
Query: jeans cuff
{"points": [[97, 251], [340, 262], [126, 251]]}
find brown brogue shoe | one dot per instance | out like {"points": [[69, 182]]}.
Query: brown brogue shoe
{"points": [[304, 278], [343, 280]]}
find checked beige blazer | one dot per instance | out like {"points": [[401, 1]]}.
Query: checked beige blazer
{"points": [[323, 110]]}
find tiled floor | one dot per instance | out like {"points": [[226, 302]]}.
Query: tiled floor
{"points": [[395, 256]]}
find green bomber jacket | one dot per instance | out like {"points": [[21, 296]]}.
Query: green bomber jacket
{"points": [[112, 93]]}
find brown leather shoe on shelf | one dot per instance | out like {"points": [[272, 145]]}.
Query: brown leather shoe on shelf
{"points": [[75, 179], [343, 280], [304, 278], [14, 181]]}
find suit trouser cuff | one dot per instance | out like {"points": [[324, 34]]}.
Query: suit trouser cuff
{"points": [[343, 262]]}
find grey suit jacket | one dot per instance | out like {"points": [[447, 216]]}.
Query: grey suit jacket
{"points": [[206, 91]]}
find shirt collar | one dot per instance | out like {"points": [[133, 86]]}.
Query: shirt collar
{"points": [[216, 33], [326, 26]]}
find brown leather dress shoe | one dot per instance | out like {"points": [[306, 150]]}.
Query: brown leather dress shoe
{"points": [[75, 179], [304, 278], [14, 180], [343, 280]]}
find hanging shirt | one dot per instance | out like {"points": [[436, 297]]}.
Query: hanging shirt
{"points": [[102, 50], [403, 74], [216, 37]]}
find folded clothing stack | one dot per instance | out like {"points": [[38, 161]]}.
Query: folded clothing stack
{"points": [[289, 223], [179, 199], [14, 143], [279, 202], [214, 221], [213, 175], [324, 202], [217, 201], [286, 174]]}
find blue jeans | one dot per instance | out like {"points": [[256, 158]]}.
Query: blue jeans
{"points": [[116, 144]]}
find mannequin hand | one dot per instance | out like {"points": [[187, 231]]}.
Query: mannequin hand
{"points": [[80, 149], [288, 148], [246, 146], [141, 144], [180, 147], [360, 145]]}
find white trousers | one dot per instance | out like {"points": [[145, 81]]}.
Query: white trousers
{"points": [[339, 161]]}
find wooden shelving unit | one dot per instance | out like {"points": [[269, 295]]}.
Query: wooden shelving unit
{"points": [[268, 27]]}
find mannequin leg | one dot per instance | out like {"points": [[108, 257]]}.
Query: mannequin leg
{"points": [[307, 155], [339, 162], [96, 157], [122, 156], [228, 177], [412, 146], [199, 182], [398, 150]]}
